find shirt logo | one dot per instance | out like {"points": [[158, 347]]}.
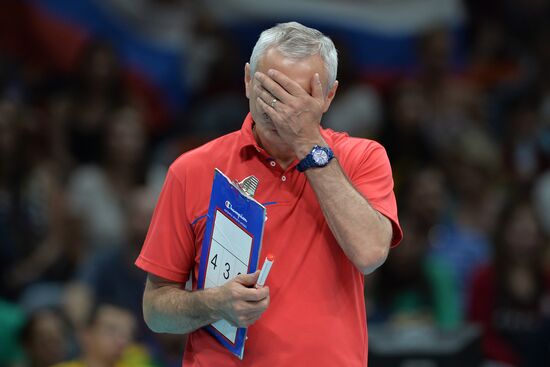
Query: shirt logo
{"points": [[236, 213]]}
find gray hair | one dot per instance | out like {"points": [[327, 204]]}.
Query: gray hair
{"points": [[297, 41]]}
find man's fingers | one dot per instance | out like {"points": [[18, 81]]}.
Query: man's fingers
{"points": [[272, 87], [267, 109], [317, 89], [289, 85], [266, 96], [254, 294], [246, 304], [248, 279], [261, 294], [248, 292], [257, 309], [264, 302]]}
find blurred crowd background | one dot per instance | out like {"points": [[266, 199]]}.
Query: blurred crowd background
{"points": [[98, 97]]}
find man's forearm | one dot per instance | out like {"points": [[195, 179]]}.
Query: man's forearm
{"points": [[168, 309], [362, 232]]}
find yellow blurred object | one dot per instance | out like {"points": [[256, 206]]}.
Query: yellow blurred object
{"points": [[134, 356]]}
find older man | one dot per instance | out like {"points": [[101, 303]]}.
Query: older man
{"points": [[332, 218]]}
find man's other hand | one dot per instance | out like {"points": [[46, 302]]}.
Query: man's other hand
{"points": [[241, 303]]}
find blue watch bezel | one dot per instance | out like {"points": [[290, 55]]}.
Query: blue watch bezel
{"points": [[308, 161]]}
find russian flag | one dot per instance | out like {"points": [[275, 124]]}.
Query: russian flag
{"points": [[380, 36]]}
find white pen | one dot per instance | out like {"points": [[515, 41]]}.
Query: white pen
{"points": [[266, 267]]}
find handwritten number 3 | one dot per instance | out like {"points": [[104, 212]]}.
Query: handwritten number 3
{"points": [[226, 272]]}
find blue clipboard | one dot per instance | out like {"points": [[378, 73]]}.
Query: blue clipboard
{"points": [[231, 246]]}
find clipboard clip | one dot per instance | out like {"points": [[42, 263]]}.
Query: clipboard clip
{"points": [[248, 185]]}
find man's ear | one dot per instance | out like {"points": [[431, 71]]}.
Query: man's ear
{"points": [[247, 80], [330, 96]]}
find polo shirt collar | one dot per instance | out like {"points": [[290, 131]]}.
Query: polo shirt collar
{"points": [[247, 136], [248, 141]]}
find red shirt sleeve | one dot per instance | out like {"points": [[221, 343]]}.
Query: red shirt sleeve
{"points": [[169, 250], [372, 177]]}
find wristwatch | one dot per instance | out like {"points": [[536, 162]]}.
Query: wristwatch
{"points": [[318, 157]]}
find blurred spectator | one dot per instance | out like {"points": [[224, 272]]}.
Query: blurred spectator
{"points": [[541, 201], [510, 297], [97, 90], [76, 302], [34, 236], [167, 349], [111, 274], [98, 193], [107, 340], [407, 146], [12, 320], [491, 60], [452, 105], [414, 288], [522, 148], [462, 238], [358, 108], [111, 277], [217, 104], [209, 44], [45, 338], [425, 200]]}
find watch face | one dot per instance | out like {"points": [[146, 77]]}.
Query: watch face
{"points": [[320, 156]]}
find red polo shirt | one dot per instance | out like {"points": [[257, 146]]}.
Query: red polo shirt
{"points": [[317, 310]]}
